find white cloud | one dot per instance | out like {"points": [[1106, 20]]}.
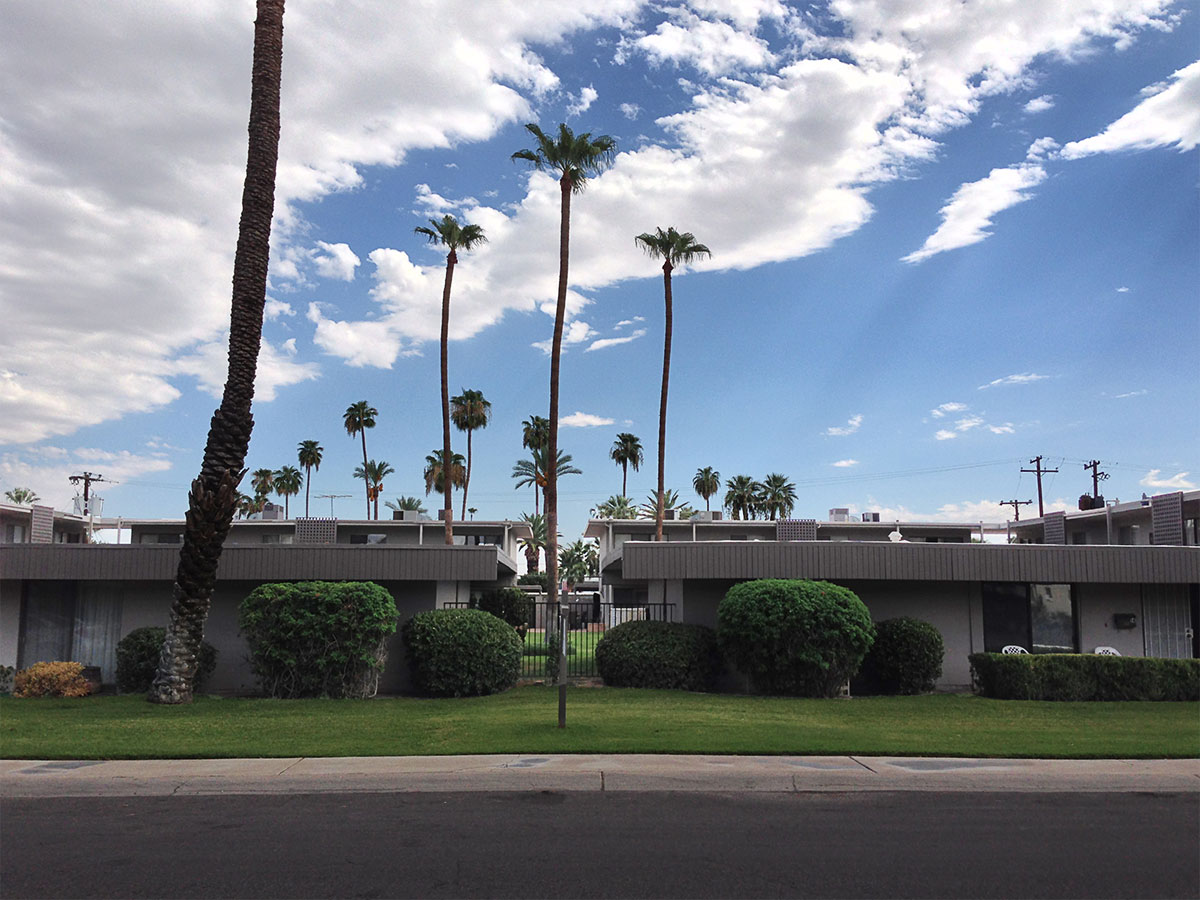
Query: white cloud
{"points": [[581, 104], [1122, 290], [966, 217], [1042, 148], [338, 261], [626, 322], [845, 463], [583, 420], [1143, 392], [714, 48], [1006, 428], [273, 309], [1023, 378], [947, 408], [1040, 104], [852, 425], [46, 469], [945, 434], [630, 110], [1178, 481], [276, 367], [1168, 118], [575, 332], [613, 342]]}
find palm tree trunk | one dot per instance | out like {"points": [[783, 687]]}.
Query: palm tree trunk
{"points": [[366, 477], [286, 508], [467, 477], [447, 460], [213, 494], [307, 476], [662, 403], [624, 479], [560, 314]]}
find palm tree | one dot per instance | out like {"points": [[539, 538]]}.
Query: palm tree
{"points": [[535, 432], [22, 496], [357, 418], [287, 484], [626, 451], [373, 474], [577, 561], [263, 482], [470, 411], [575, 158], [740, 496], [674, 249], [213, 494], [671, 500], [434, 480], [617, 508], [778, 496], [533, 470], [707, 482], [533, 544], [309, 456], [405, 502], [454, 237]]}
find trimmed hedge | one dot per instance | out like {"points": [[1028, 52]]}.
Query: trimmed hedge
{"points": [[906, 657], [648, 654], [1084, 676], [804, 638], [318, 638], [137, 660], [461, 653]]}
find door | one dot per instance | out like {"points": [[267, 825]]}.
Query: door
{"points": [[1167, 621]]}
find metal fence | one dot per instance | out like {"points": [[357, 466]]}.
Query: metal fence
{"points": [[588, 618]]}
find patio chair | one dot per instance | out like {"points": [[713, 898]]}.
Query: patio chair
{"points": [[1107, 651], [1010, 649]]}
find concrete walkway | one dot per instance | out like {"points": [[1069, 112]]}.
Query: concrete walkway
{"points": [[86, 778]]}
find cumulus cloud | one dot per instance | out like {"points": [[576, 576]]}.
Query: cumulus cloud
{"points": [[277, 367], [45, 470], [941, 411], [1169, 117], [966, 217], [630, 110], [1042, 148], [338, 261], [579, 419], [575, 332], [1178, 481], [583, 102], [1039, 104], [273, 309], [714, 48], [852, 425], [613, 342], [1022, 378]]}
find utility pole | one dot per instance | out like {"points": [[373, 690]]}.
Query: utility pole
{"points": [[331, 498], [88, 478], [1016, 505], [1097, 476], [1039, 471]]}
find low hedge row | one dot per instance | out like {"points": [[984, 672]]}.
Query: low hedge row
{"points": [[1084, 676], [646, 654]]}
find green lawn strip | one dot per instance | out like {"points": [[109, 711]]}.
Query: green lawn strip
{"points": [[608, 720]]}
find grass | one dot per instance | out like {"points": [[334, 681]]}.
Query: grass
{"points": [[607, 720]]}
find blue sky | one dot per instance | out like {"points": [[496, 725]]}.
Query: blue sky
{"points": [[946, 238]]}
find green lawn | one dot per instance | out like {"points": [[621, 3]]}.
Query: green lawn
{"points": [[605, 720]]}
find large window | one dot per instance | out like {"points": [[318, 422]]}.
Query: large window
{"points": [[1039, 617]]}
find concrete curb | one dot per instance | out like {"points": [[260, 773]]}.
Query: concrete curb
{"points": [[779, 774]]}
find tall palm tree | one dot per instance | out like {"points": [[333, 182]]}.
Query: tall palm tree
{"points": [[309, 456], [707, 482], [574, 158], [778, 496], [287, 484], [535, 433], [470, 411], [617, 508], [263, 482], [534, 470], [213, 495], [626, 451], [674, 249], [434, 479], [373, 473], [740, 496], [357, 418], [533, 544], [454, 237], [578, 560]]}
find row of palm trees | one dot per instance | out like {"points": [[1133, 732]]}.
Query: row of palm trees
{"points": [[745, 498]]}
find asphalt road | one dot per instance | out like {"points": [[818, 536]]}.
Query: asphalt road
{"points": [[604, 844]]}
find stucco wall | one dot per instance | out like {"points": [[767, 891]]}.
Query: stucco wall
{"points": [[10, 621], [1095, 604]]}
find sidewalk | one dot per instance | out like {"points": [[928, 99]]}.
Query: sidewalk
{"points": [[127, 778]]}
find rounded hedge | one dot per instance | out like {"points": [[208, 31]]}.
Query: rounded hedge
{"points": [[804, 638], [906, 657], [648, 654], [318, 638], [461, 653], [509, 604], [137, 660]]}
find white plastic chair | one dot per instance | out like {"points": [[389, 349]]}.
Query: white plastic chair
{"points": [[1011, 649], [1107, 651]]}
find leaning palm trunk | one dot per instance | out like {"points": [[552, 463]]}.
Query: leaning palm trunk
{"points": [[662, 403], [447, 459], [213, 496]]}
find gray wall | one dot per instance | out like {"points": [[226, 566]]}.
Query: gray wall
{"points": [[1095, 605]]}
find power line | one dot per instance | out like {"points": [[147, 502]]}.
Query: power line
{"points": [[1039, 471], [1016, 505]]}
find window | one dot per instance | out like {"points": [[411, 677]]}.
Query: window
{"points": [[1052, 618], [14, 534], [368, 538], [1039, 617]]}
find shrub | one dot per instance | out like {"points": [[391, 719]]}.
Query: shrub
{"points": [[538, 578], [6, 679], [1084, 676], [794, 637], [648, 654], [906, 657], [511, 605], [318, 638], [137, 660], [51, 679], [461, 653]]}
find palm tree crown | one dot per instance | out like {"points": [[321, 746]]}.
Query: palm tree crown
{"points": [[434, 480], [454, 237], [373, 473], [626, 451], [616, 507], [535, 432], [778, 496], [469, 411], [405, 502], [22, 496], [263, 482], [287, 481], [574, 157], [357, 418], [706, 483], [309, 455], [741, 495]]}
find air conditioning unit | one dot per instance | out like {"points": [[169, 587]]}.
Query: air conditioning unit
{"points": [[705, 515], [406, 515], [668, 515], [870, 517], [839, 514]]}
